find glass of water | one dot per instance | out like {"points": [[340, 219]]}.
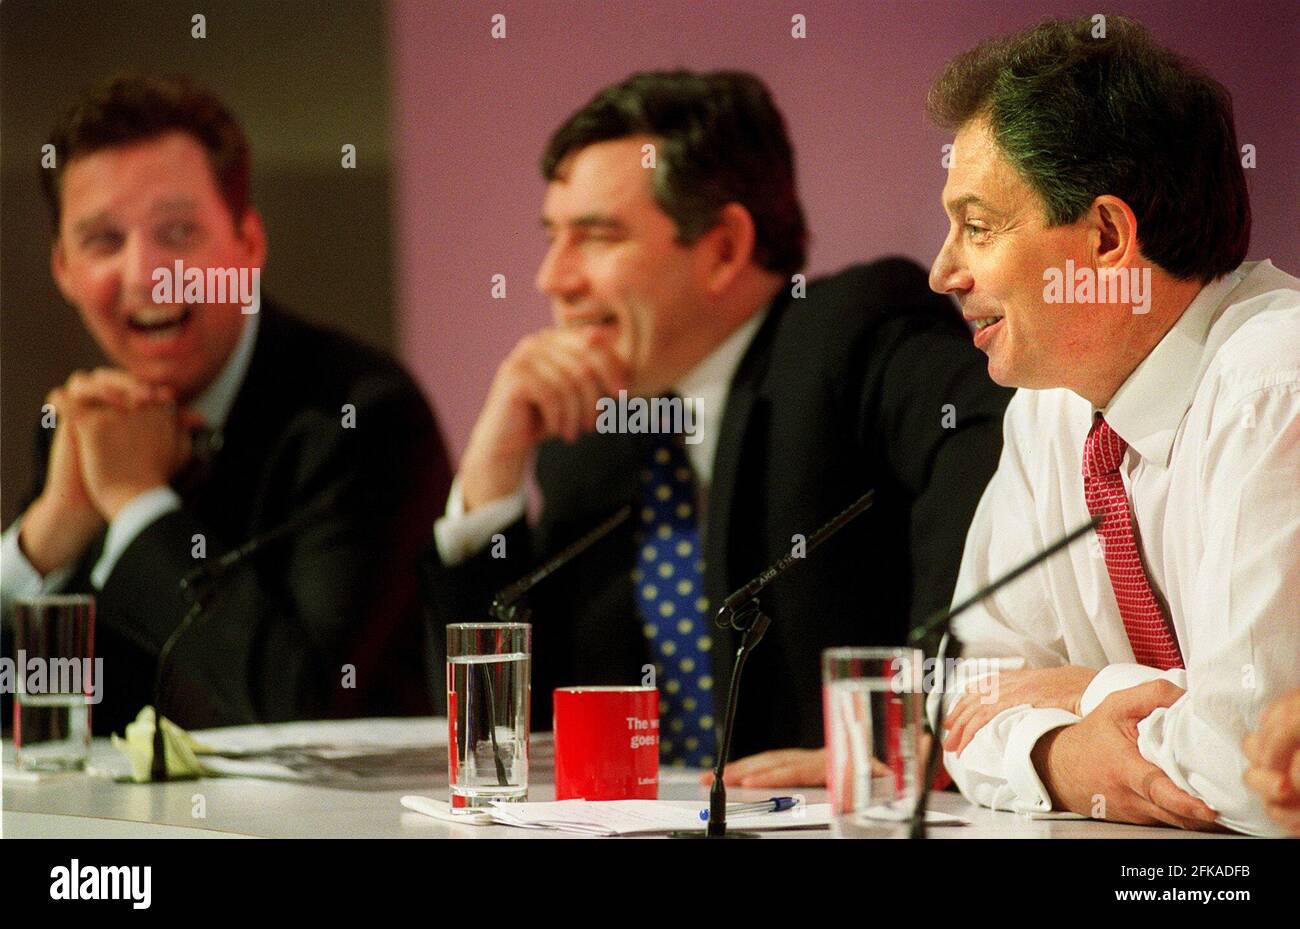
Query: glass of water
{"points": [[56, 680], [488, 689], [872, 703]]}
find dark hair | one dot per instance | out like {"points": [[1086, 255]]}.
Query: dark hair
{"points": [[720, 140], [1080, 117], [133, 107]]}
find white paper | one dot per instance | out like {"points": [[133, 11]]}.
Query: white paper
{"points": [[648, 817], [341, 734]]}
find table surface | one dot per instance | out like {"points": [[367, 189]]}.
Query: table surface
{"points": [[93, 804]]}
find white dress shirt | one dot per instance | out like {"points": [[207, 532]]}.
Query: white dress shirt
{"points": [[18, 579], [460, 535], [1212, 420]]}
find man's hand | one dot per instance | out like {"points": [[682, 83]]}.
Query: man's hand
{"points": [[788, 767], [785, 767], [1098, 759], [125, 451], [1061, 688], [548, 386], [1273, 751], [65, 518]]}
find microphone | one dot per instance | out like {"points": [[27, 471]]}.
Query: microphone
{"points": [[939, 624], [730, 614], [196, 582], [741, 611], [507, 607], [507, 604], [196, 585]]}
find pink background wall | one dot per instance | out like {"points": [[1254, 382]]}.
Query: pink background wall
{"points": [[471, 115]]}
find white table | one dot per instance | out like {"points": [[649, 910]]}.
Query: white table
{"points": [[94, 805]]}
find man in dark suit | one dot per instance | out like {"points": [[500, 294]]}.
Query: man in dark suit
{"points": [[675, 241], [215, 425]]}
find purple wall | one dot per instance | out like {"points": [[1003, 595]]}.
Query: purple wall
{"points": [[473, 113]]}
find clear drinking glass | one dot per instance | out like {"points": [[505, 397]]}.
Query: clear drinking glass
{"points": [[488, 689], [872, 702], [56, 681]]}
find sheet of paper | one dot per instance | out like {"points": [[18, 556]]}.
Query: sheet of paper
{"points": [[334, 734], [648, 817], [895, 815]]}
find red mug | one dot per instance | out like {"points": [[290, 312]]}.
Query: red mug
{"points": [[606, 743]]}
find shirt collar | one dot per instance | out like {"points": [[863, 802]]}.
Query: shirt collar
{"points": [[1149, 406], [709, 383], [714, 373], [214, 403]]}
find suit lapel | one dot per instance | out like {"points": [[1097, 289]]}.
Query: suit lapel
{"points": [[742, 399]]}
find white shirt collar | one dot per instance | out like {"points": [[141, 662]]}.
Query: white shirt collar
{"points": [[1150, 405], [214, 403], [709, 383]]}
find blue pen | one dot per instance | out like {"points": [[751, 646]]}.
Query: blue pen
{"points": [[773, 805]]}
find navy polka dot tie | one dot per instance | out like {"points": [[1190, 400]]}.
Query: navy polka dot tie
{"points": [[669, 579]]}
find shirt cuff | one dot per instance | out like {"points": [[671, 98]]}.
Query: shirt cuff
{"points": [[1122, 676], [18, 579], [132, 520], [460, 535], [1026, 786]]}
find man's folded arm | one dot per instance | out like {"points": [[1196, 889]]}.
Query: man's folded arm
{"points": [[1241, 623], [286, 629]]}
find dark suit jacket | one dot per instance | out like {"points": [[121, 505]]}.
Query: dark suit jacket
{"points": [[843, 390], [342, 590]]}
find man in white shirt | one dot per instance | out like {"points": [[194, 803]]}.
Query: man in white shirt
{"points": [[1171, 409]]}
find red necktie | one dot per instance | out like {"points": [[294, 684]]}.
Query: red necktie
{"points": [[1148, 629]]}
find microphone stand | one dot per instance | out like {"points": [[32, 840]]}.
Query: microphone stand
{"points": [[158, 764], [756, 625], [197, 586], [940, 624], [741, 611]]}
